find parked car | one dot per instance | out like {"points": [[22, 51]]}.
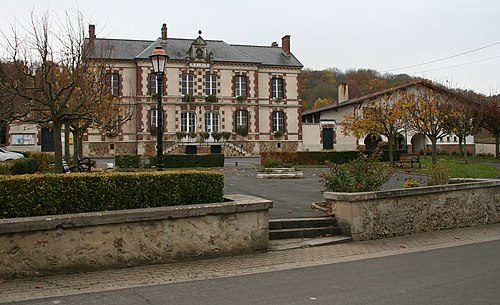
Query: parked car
{"points": [[9, 155]]}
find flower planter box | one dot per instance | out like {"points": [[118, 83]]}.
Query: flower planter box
{"points": [[280, 173]]}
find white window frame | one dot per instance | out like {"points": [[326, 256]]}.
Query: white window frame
{"points": [[212, 122], [278, 121], [115, 84], [154, 118], [277, 87], [188, 121], [240, 85], [241, 117], [187, 80], [153, 83], [210, 84]]}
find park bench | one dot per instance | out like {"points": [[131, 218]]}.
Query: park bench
{"points": [[81, 165], [409, 158]]}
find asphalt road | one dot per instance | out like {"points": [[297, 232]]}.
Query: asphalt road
{"points": [[458, 275]]}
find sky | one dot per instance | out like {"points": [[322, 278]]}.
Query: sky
{"points": [[458, 40]]}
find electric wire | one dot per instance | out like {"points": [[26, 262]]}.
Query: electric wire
{"points": [[441, 59]]}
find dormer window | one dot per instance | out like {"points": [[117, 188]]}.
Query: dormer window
{"points": [[199, 53]]}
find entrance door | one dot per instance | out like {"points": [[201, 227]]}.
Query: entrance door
{"points": [[47, 140], [327, 138]]}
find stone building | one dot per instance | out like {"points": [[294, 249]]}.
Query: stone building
{"points": [[251, 92]]}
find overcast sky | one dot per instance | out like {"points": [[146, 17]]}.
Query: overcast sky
{"points": [[383, 35]]}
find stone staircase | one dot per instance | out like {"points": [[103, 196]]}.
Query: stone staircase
{"points": [[304, 232]]}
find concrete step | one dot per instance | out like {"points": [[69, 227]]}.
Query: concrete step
{"points": [[295, 223], [303, 232], [287, 244]]}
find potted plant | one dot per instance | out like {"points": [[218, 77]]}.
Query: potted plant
{"points": [[240, 98], [211, 98], [226, 135], [154, 131], [203, 135], [192, 134], [180, 135], [242, 131], [187, 98], [278, 134], [217, 136]]}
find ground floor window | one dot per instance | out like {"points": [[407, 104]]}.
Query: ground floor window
{"points": [[211, 121], [188, 121]]}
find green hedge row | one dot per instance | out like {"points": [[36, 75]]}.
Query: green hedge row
{"points": [[184, 161], [309, 157], [19, 166], [319, 157], [51, 194], [128, 161]]}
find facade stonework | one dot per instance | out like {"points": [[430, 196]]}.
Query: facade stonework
{"points": [[205, 82]]}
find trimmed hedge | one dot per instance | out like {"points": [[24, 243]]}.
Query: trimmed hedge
{"points": [[128, 161], [51, 194], [310, 157], [320, 157], [185, 161], [19, 166], [44, 159]]}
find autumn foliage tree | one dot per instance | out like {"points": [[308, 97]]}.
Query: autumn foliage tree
{"points": [[383, 116], [428, 110], [490, 113], [464, 121]]}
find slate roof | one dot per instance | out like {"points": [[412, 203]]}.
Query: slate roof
{"points": [[177, 49]]}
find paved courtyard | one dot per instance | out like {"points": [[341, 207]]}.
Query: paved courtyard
{"points": [[292, 197]]}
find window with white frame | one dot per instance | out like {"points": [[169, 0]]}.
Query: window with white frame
{"points": [[187, 84], [278, 121], [211, 121], [154, 118], [188, 121], [113, 82], [277, 85], [211, 84], [241, 117], [240, 85], [22, 139], [153, 85]]}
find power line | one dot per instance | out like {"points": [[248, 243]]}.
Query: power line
{"points": [[441, 59], [464, 64]]}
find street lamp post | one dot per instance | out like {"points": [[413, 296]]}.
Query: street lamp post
{"points": [[159, 62]]}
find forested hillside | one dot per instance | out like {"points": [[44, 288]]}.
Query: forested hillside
{"points": [[319, 88]]}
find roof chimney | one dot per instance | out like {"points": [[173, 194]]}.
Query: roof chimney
{"points": [[274, 44], [164, 32], [285, 44], [91, 35], [343, 93]]}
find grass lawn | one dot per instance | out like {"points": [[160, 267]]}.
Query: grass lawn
{"points": [[477, 167]]}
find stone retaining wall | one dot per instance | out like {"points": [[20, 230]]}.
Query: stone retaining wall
{"points": [[87, 241], [372, 215]]}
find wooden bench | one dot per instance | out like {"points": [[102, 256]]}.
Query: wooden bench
{"points": [[410, 158], [82, 165]]}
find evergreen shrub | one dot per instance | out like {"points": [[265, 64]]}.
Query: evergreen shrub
{"points": [[51, 194]]}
